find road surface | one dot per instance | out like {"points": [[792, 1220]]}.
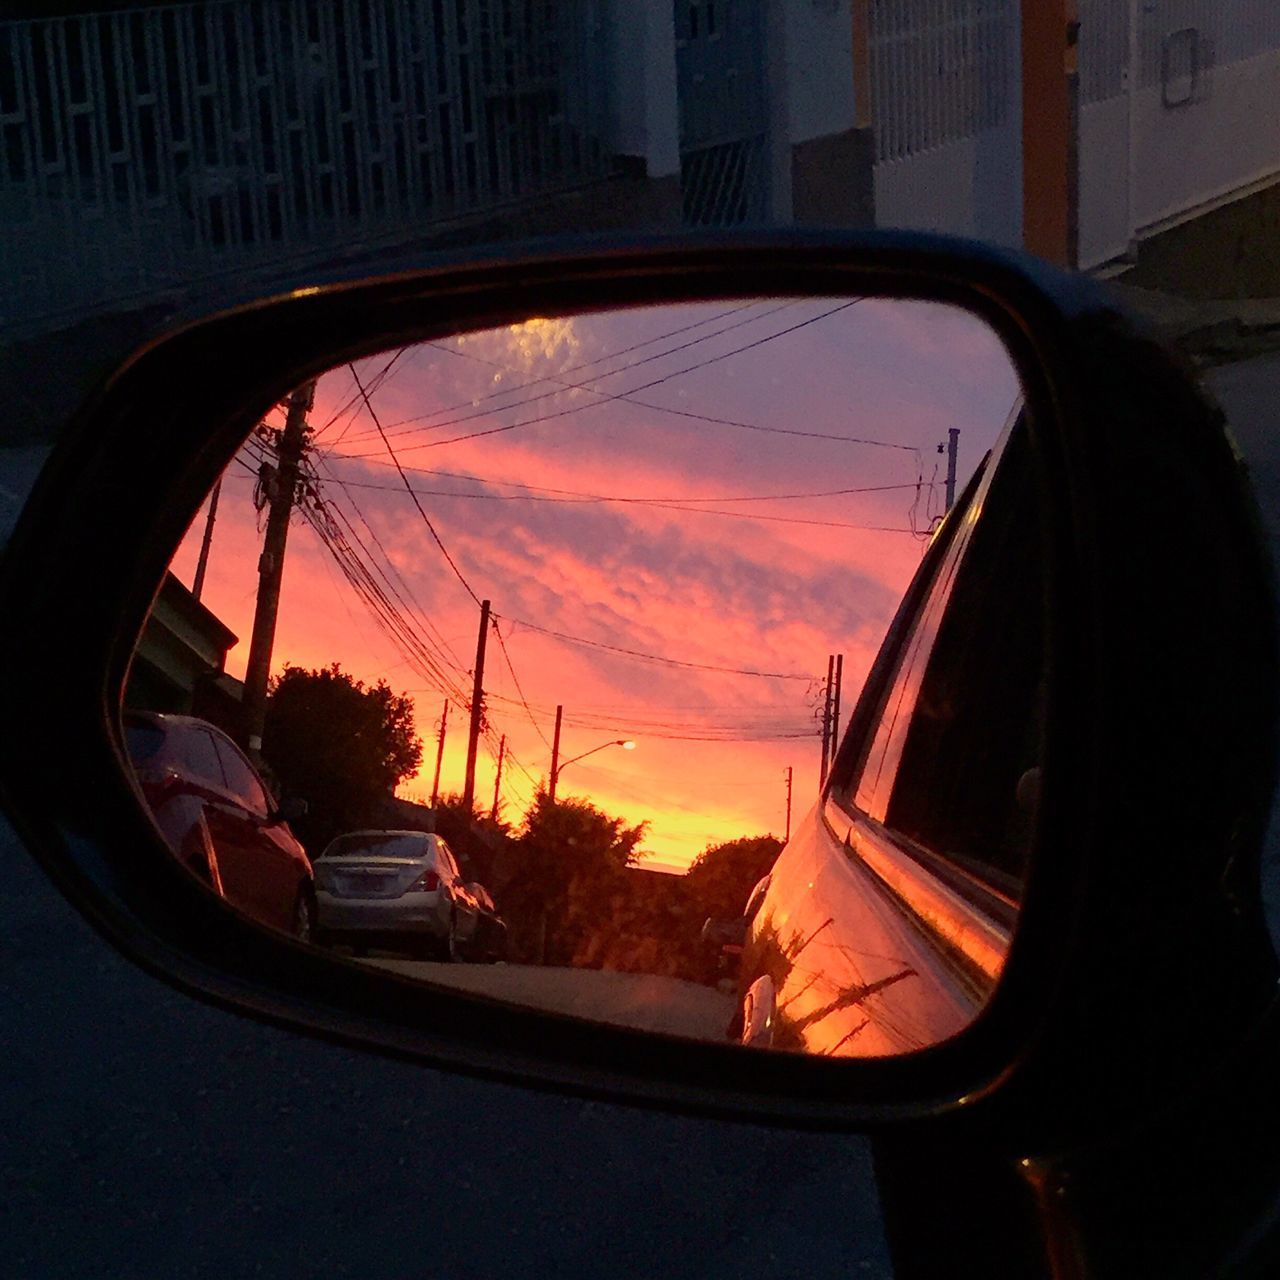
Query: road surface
{"points": [[640, 1000]]}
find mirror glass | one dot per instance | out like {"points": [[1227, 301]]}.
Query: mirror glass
{"points": [[677, 667]]}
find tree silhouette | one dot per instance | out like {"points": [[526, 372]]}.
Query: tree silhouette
{"points": [[338, 744], [723, 875], [571, 859]]}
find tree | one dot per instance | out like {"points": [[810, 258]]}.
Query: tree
{"points": [[339, 745], [572, 857], [723, 875]]}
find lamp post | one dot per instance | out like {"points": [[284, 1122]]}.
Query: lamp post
{"points": [[558, 766]]}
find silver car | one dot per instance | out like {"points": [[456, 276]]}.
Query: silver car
{"points": [[397, 889]]}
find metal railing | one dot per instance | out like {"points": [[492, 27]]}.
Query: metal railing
{"points": [[941, 71], [158, 146]]}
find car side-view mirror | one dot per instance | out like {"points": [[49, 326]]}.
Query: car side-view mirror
{"points": [[799, 575]]}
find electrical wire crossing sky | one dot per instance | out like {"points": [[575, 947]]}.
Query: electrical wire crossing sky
{"points": [[678, 513]]}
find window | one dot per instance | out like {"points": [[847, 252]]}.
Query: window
{"points": [[197, 756], [242, 781], [953, 762], [444, 857]]}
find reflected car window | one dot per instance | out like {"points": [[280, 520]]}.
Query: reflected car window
{"points": [[241, 780], [199, 756], [971, 673], [393, 845], [968, 776]]}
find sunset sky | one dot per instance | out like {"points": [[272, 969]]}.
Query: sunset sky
{"points": [[571, 470]]}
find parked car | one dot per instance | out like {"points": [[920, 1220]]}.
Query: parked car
{"points": [[884, 925], [489, 940], [220, 820], [398, 889]]}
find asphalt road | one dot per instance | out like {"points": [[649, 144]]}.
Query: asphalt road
{"points": [[640, 1000]]}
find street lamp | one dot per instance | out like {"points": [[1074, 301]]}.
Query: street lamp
{"points": [[557, 766]]}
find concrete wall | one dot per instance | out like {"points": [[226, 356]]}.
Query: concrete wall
{"points": [[644, 113], [822, 161]]}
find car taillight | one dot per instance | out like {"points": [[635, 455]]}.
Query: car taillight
{"points": [[427, 882]]}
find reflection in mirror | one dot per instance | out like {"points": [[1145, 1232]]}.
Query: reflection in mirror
{"points": [[517, 661]]}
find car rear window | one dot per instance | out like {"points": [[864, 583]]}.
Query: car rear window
{"points": [[363, 845], [143, 742]]}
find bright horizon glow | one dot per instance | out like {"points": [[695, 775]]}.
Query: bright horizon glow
{"points": [[649, 528]]}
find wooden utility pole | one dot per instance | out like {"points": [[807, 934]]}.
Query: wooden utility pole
{"points": [[953, 445], [835, 712], [435, 785], [555, 756], [293, 441], [787, 837], [197, 585], [826, 719], [497, 778], [477, 710]]}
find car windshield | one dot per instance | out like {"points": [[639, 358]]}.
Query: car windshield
{"points": [[392, 844]]}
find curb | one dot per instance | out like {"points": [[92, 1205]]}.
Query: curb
{"points": [[1211, 333]]}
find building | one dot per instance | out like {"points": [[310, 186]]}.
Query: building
{"points": [[179, 664]]}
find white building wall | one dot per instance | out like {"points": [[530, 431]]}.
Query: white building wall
{"points": [[644, 107], [947, 102], [1180, 111]]}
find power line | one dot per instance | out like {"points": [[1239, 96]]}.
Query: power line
{"points": [[516, 404], [579, 497], [655, 657], [424, 614], [425, 519], [702, 364], [664, 506], [352, 404], [502, 644]]}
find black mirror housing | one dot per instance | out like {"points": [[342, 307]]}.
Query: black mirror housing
{"points": [[1163, 685]]}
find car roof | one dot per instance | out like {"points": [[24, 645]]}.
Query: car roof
{"points": [[383, 831], [168, 719]]}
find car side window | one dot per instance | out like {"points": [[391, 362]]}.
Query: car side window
{"points": [[447, 865], [197, 756], [241, 779], [953, 762]]}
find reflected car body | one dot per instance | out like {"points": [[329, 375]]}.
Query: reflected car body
{"points": [[887, 918], [394, 888], [488, 941], [217, 816]]}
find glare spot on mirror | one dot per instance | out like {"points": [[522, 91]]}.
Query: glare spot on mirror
{"points": [[517, 662]]}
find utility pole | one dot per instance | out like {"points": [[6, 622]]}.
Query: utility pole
{"points": [[826, 719], [555, 756], [197, 585], [953, 443], [787, 837], [435, 785], [835, 711], [497, 778], [293, 442], [1050, 59], [477, 710]]}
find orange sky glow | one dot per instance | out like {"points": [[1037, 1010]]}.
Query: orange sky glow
{"points": [[645, 480]]}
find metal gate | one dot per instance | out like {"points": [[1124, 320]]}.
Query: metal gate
{"points": [[724, 119], [1196, 124], [946, 96], [148, 148]]}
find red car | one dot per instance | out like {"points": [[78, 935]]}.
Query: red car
{"points": [[220, 820]]}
